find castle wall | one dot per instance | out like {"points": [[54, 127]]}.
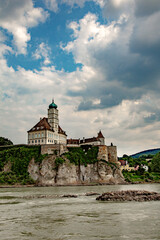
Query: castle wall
{"points": [[112, 154], [51, 148], [103, 152], [107, 153]]}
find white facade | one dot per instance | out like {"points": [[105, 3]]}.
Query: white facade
{"points": [[47, 130], [53, 118]]}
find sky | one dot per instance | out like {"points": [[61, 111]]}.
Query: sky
{"points": [[98, 59]]}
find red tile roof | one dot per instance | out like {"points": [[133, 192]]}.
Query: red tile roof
{"points": [[60, 131], [41, 125], [73, 141], [100, 135], [88, 140]]}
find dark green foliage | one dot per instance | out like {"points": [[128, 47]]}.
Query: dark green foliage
{"points": [[12, 178], [135, 161], [55, 152], [58, 161], [19, 158], [155, 163], [80, 156], [5, 141], [134, 176]]}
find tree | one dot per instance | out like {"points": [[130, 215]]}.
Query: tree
{"points": [[155, 163], [5, 141]]}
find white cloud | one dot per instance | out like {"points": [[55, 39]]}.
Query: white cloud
{"points": [[16, 17], [90, 37], [52, 5], [116, 89], [43, 52]]}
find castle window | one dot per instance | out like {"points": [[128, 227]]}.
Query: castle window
{"points": [[35, 135], [42, 134], [39, 135], [32, 135], [39, 141], [32, 141], [42, 140], [35, 141]]}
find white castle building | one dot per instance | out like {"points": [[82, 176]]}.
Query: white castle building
{"points": [[47, 130]]}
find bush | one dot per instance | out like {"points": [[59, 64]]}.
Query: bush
{"points": [[59, 161], [5, 141], [84, 156], [155, 163]]}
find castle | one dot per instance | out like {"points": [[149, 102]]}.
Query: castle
{"points": [[48, 131]]}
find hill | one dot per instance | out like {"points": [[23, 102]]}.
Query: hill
{"points": [[146, 152]]}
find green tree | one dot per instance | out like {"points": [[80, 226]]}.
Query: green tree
{"points": [[5, 141], [155, 163]]}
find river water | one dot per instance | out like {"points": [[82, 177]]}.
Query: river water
{"points": [[42, 213]]}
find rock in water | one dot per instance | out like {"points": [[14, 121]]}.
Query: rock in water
{"points": [[129, 195], [69, 196]]}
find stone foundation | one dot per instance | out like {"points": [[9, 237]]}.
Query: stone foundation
{"points": [[56, 149]]}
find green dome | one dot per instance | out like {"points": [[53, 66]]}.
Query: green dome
{"points": [[53, 105]]}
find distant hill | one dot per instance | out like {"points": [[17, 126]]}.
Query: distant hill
{"points": [[146, 152]]}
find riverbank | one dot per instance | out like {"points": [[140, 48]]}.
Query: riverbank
{"points": [[76, 185]]}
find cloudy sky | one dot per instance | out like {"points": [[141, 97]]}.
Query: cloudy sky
{"points": [[99, 59]]}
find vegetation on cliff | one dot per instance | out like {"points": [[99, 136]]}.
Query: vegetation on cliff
{"points": [[82, 156], [14, 161], [14, 164]]}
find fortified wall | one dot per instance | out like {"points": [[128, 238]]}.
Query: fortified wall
{"points": [[107, 153], [52, 148]]}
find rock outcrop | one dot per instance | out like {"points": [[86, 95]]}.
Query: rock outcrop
{"points": [[129, 195], [48, 174]]}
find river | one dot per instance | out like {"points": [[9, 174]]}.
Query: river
{"points": [[42, 213]]}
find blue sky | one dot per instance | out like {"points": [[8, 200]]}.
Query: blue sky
{"points": [[99, 59]]}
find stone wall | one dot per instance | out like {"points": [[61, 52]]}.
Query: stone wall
{"points": [[51, 148], [108, 153], [103, 153], [112, 154]]}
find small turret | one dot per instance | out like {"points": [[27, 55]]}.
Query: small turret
{"points": [[53, 105], [101, 138]]}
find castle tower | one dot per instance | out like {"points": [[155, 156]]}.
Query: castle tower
{"points": [[101, 138], [53, 116]]}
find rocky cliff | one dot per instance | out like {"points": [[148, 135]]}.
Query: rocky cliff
{"points": [[47, 173]]}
